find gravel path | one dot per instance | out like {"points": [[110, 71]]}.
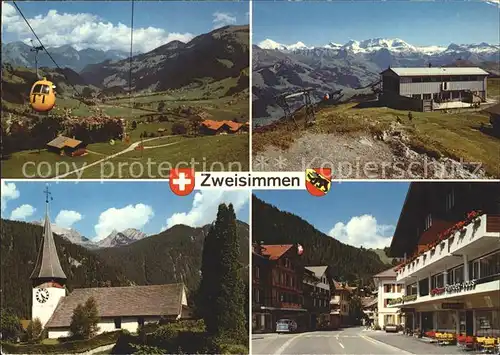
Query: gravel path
{"points": [[361, 157]]}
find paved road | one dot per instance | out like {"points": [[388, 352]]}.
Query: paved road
{"points": [[347, 341]]}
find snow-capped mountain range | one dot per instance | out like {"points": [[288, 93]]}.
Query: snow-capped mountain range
{"points": [[395, 45], [114, 239], [349, 67], [118, 239]]}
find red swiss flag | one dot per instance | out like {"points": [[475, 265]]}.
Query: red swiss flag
{"points": [[181, 181]]}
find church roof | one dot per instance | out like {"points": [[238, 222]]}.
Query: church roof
{"points": [[47, 264], [131, 301]]}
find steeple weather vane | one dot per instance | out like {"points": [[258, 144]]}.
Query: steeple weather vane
{"points": [[47, 194]]}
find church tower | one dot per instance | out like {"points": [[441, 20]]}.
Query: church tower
{"points": [[48, 277]]}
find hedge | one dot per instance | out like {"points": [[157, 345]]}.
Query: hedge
{"points": [[75, 346]]}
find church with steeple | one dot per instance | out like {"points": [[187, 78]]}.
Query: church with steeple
{"points": [[118, 307], [48, 277]]}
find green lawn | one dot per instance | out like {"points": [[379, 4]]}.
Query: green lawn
{"points": [[151, 127], [493, 87], [215, 153], [42, 165]]}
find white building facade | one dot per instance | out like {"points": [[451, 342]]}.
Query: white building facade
{"points": [[452, 281], [389, 290]]}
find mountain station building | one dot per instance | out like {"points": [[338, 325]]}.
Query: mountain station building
{"points": [[430, 89]]}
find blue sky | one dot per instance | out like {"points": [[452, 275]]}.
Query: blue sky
{"points": [[97, 23], [417, 22], [95, 209], [364, 213]]}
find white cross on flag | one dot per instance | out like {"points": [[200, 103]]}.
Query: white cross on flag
{"points": [[181, 181], [300, 249]]}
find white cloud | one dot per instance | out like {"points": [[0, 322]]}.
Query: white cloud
{"points": [[493, 2], [85, 30], [66, 218], [205, 205], [222, 19], [363, 231], [8, 192], [122, 218], [22, 212]]}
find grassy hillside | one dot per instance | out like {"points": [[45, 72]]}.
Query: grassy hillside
{"points": [[348, 263], [458, 135]]}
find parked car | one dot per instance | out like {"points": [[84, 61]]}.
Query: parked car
{"points": [[391, 328], [286, 326]]}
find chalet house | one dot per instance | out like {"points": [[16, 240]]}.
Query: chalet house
{"points": [[277, 286], [339, 304], [210, 127], [66, 146], [449, 236], [118, 307], [317, 296], [370, 308], [429, 89]]}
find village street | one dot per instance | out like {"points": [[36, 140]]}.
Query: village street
{"points": [[355, 340]]}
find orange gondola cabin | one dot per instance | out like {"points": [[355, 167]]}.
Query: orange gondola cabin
{"points": [[42, 96]]}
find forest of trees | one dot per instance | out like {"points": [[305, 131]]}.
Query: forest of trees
{"points": [[171, 256], [20, 242], [347, 263]]}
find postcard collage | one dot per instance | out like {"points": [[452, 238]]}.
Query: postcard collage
{"points": [[250, 177]]}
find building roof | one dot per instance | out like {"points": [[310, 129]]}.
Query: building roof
{"points": [[317, 270], [62, 141], [152, 300], [47, 263], [215, 125], [274, 252], [425, 71], [369, 301], [389, 273]]}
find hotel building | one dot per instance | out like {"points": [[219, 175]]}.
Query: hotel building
{"points": [[449, 236]]}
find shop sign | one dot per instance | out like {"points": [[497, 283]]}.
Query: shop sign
{"points": [[461, 286], [452, 306], [403, 299]]}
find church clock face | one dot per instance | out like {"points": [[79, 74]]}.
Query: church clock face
{"points": [[42, 295]]}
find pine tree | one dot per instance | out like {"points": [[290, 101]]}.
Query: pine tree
{"points": [[34, 329], [92, 318], [207, 291], [221, 296], [77, 324], [229, 304]]}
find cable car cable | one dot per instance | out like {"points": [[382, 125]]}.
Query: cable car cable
{"points": [[130, 58]]}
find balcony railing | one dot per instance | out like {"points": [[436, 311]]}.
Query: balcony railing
{"points": [[464, 236]]}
